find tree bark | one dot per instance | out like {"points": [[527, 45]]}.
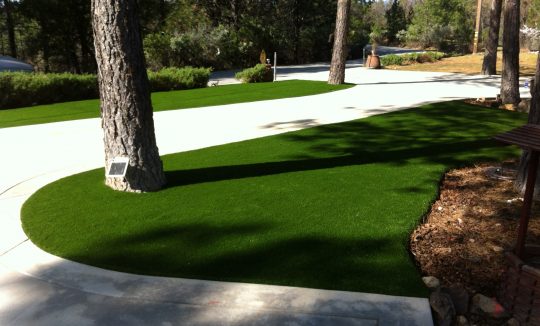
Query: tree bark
{"points": [[126, 110], [510, 71], [339, 51], [489, 65], [534, 118], [10, 29]]}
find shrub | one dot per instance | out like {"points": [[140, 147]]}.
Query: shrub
{"points": [[391, 60], [179, 78], [258, 74], [410, 58], [25, 89]]}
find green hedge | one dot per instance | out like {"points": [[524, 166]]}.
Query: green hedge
{"points": [[258, 74], [27, 89], [410, 58], [168, 79]]}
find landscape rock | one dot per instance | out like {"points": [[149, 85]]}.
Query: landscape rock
{"points": [[524, 106], [431, 282], [462, 321], [512, 322], [460, 298], [443, 308], [487, 306]]}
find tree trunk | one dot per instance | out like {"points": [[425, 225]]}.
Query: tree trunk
{"points": [[534, 118], [510, 71], [489, 66], [126, 110], [10, 29], [339, 52]]}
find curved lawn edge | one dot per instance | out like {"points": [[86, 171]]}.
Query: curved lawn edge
{"points": [[172, 100], [327, 207]]}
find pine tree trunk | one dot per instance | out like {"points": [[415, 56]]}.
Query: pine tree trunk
{"points": [[510, 69], [534, 118], [339, 52], [10, 29], [489, 66], [126, 110]]}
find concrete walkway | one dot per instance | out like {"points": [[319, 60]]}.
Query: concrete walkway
{"points": [[40, 289]]}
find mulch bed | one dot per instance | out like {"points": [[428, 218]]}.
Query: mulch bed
{"points": [[463, 238]]}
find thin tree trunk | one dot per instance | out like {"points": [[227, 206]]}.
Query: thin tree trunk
{"points": [[534, 118], [510, 71], [10, 29], [339, 52], [489, 66], [296, 15], [126, 110]]}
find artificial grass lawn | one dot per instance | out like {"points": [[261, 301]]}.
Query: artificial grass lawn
{"points": [[172, 100], [328, 207]]}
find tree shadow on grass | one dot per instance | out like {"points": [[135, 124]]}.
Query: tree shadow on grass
{"points": [[450, 134], [208, 252]]}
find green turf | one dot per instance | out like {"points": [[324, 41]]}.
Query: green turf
{"points": [[173, 100], [328, 207]]}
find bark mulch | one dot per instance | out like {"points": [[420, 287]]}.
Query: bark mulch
{"points": [[463, 238]]}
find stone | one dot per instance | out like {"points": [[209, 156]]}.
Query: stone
{"points": [[460, 298], [462, 321], [524, 106], [487, 306], [498, 249], [512, 322], [431, 282], [443, 308]]}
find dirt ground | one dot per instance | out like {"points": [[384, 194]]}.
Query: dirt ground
{"points": [[470, 226], [472, 64]]}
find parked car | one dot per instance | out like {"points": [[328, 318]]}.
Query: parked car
{"points": [[12, 64]]}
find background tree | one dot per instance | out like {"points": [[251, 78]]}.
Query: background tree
{"points": [[61, 38], [339, 52], [510, 68], [126, 110], [396, 21], [56, 36], [445, 25], [10, 27], [489, 65]]}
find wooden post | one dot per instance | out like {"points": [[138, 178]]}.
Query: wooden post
{"points": [[477, 28], [527, 203]]}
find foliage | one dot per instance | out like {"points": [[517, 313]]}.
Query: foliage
{"points": [[359, 28], [157, 50], [258, 74], [223, 34], [179, 78], [532, 35], [396, 21], [174, 100], [24, 89], [392, 60], [533, 14], [349, 195], [410, 58], [203, 33], [445, 25]]}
